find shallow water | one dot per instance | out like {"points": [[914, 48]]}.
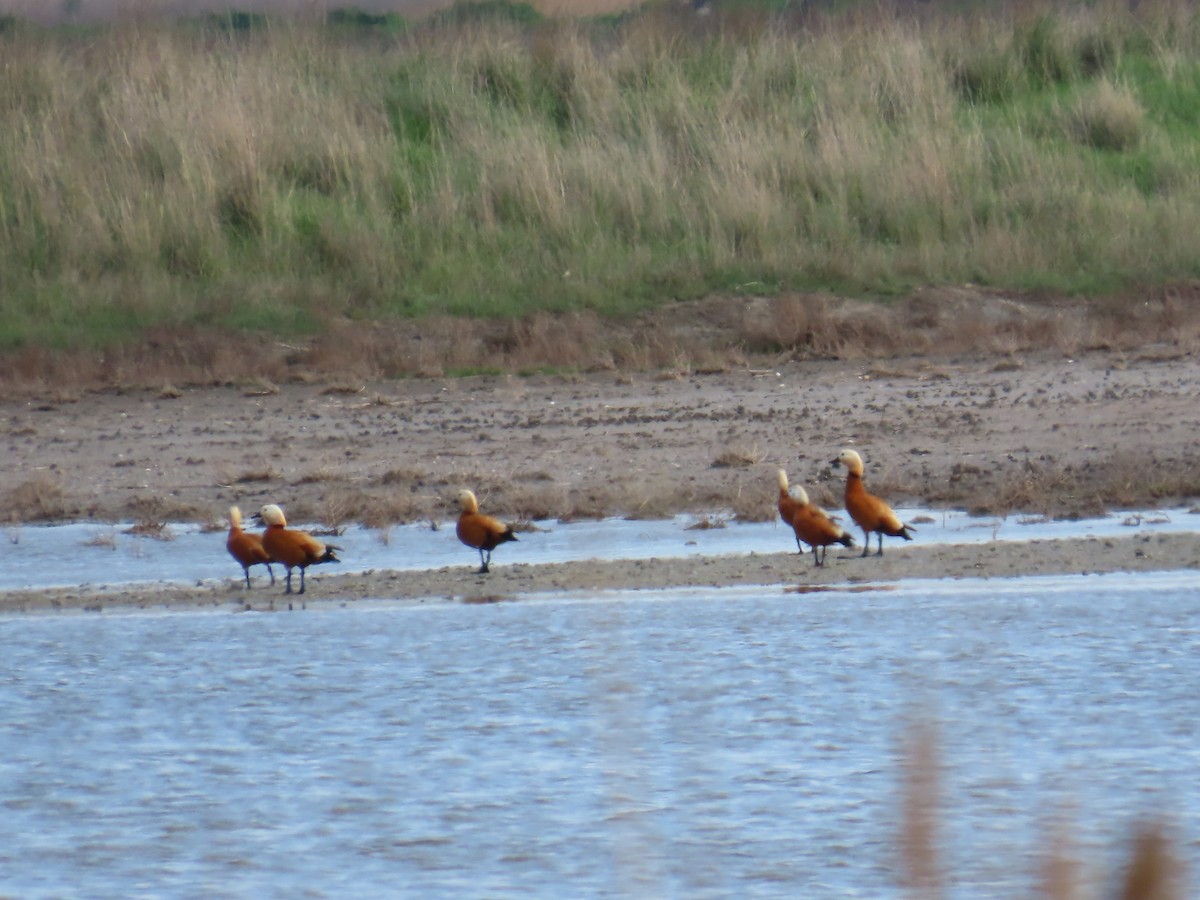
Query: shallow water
{"points": [[75, 554], [698, 743]]}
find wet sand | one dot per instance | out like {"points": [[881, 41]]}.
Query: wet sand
{"points": [[516, 581]]}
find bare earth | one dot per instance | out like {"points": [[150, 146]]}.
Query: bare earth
{"points": [[1040, 434]]}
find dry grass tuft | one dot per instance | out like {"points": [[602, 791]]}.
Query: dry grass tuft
{"points": [[918, 822], [38, 498], [828, 496], [253, 476], [945, 320], [483, 599], [1069, 490], [753, 500], [150, 516], [261, 389], [788, 323], [161, 359], [1060, 871], [317, 476], [341, 388], [1153, 872], [104, 539], [403, 476], [340, 507], [159, 531], [1107, 117], [393, 508], [737, 459], [539, 501]]}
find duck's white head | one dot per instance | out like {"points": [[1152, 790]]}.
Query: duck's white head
{"points": [[851, 460], [272, 515], [235, 517], [467, 501], [800, 495], [783, 482]]}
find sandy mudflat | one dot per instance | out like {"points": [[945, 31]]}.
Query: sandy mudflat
{"points": [[1035, 434], [775, 571]]}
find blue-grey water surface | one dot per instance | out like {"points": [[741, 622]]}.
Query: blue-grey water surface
{"points": [[710, 743], [81, 553]]}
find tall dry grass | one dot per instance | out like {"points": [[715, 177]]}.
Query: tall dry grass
{"points": [[1153, 870], [294, 177]]}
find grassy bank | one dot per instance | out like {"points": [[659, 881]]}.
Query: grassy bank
{"points": [[282, 176]]}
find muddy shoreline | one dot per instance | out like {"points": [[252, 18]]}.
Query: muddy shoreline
{"points": [[774, 571], [1045, 434]]}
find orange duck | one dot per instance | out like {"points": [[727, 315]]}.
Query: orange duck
{"points": [[246, 548], [479, 531], [814, 526], [787, 505], [292, 548], [871, 513]]}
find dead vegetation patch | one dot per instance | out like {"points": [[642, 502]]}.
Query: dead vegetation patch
{"points": [[104, 540], [674, 339], [316, 476], [41, 497], [402, 476], [150, 513], [743, 496], [251, 476], [261, 389], [539, 501], [343, 389], [484, 599], [159, 531], [707, 523], [737, 459], [1058, 489], [342, 503]]}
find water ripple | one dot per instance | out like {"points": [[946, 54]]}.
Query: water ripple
{"points": [[742, 742]]}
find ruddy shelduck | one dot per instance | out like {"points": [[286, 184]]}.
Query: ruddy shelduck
{"points": [[811, 524], [479, 531], [871, 513], [246, 547], [787, 505], [290, 548]]}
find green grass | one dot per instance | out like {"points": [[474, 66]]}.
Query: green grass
{"points": [[252, 174]]}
